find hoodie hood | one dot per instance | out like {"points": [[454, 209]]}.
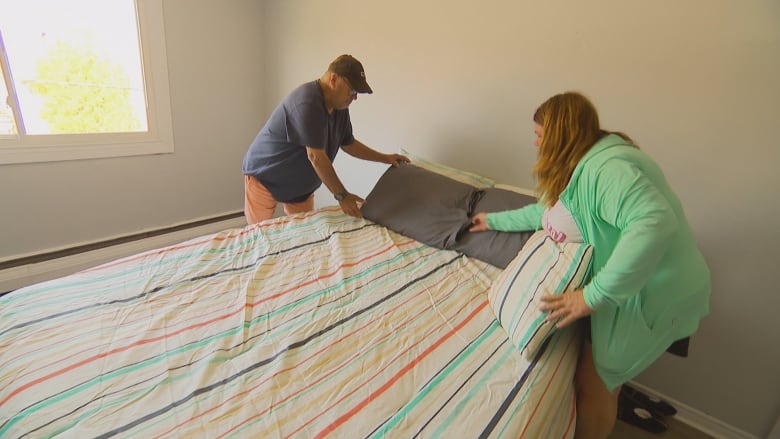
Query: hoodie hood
{"points": [[605, 148]]}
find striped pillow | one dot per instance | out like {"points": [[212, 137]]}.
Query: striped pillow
{"points": [[542, 267]]}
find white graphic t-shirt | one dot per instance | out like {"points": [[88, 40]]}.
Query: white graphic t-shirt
{"points": [[559, 224]]}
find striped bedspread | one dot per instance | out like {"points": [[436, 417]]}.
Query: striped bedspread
{"points": [[306, 326]]}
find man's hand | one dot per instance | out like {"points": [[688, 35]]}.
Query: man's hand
{"points": [[568, 307], [479, 223], [351, 205], [396, 159]]}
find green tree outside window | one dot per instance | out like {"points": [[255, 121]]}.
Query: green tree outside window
{"points": [[83, 92]]}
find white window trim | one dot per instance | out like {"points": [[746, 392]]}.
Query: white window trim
{"points": [[158, 139]]}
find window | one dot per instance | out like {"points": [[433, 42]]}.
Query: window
{"points": [[82, 79]]}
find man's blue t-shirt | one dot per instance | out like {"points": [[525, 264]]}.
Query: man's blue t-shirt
{"points": [[277, 157]]}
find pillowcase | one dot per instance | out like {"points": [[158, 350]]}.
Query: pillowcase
{"points": [[542, 267], [470, 178], [421, 204], [495, 248], [513, 188]]}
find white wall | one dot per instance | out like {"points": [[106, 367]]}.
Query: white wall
{"points": [[695, 83], [215, 65]]}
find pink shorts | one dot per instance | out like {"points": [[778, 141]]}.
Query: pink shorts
{"points": [[260, 205]]}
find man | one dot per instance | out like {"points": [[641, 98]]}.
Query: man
{"points": [[293, 153]]}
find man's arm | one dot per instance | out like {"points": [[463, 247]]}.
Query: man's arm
{"points": [[359, 150], [350, 203]]}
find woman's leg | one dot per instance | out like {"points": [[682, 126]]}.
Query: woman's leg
{"points": [[596, 406], [259, 205]]}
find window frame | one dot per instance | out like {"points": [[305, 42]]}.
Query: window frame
{"points": [[158, 139]]}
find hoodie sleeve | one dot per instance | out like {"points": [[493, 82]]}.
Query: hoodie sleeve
{"points": [[645, 221], [523, 219]]}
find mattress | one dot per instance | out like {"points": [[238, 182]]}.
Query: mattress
{"points": [[310, 325]]}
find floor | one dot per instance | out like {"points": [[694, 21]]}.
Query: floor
{"points": [[677, 430]]}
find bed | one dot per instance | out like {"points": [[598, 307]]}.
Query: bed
{"points": [[310, 325]]}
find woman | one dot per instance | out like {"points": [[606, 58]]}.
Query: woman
{"points": [[650, 284]]}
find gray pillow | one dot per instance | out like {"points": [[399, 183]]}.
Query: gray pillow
{"points": [[496, 248], [421, 204]]}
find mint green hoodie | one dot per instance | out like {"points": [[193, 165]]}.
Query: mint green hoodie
{"points": [[650, 285]]}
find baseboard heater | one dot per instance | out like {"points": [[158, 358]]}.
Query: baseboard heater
{"points": [[18, 272]]}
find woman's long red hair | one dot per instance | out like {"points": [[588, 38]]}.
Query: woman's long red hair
{"points": [[571, 127]]}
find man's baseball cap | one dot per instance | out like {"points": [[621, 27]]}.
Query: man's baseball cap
{"points": [[350, 68]]}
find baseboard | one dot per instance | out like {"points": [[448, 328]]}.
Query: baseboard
{"points": [[696, 419], [28, 274]]}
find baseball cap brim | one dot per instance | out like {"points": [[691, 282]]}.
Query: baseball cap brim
{"points": [[359, 84]]}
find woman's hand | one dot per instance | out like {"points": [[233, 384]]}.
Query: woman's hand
{"points": [[479, 222], [567, 307]]}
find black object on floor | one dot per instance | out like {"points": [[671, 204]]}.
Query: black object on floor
{"points": [[641, 418], [642, 411], [655, 406]]}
